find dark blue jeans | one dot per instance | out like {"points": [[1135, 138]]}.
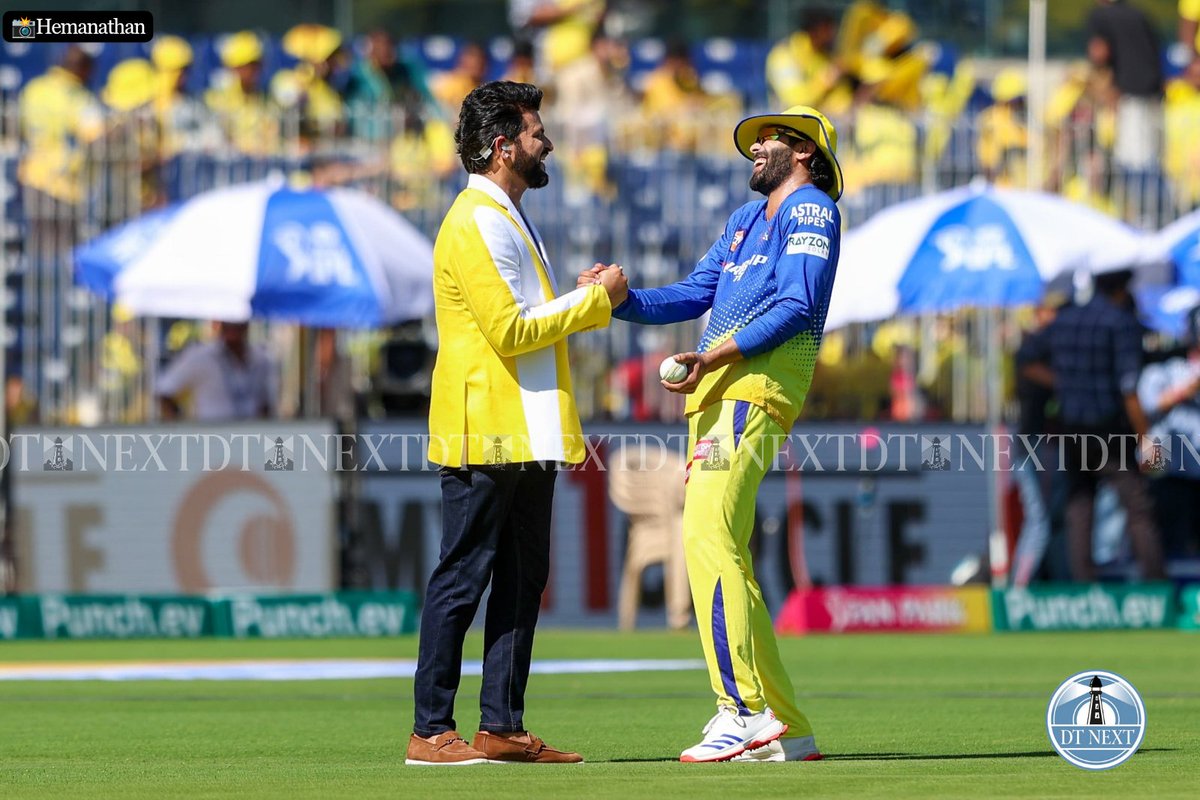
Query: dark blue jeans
{"points": [[495, 528]]}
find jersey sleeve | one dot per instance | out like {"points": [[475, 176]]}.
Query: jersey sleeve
{"points": [[804, 270], [685, 299]]}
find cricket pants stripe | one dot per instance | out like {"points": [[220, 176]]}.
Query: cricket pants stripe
{"points": [[721, 644], [740, 409]]}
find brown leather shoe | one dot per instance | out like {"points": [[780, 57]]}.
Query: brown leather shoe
{"points": [[521, 747], [444, 750]]}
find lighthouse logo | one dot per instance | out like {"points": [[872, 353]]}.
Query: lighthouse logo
{"points": [[1096, 720]]}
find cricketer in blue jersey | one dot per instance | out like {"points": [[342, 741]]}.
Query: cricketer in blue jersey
{"points": [[767, 282]]}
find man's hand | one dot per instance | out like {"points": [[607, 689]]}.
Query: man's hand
{"points": [[697, 364], [615, 283], [592, 275], [700, 364]]}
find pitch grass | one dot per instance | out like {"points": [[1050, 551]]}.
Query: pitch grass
{"points": [[899, 716]]}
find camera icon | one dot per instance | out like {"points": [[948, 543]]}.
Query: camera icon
{"points": [[22, 29]]}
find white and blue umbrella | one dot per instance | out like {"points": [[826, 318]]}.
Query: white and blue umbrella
{"points": [[974, 246], [1179, 245], [325, 258]]}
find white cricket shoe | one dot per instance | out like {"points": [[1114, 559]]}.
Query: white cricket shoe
{"points": [[802, 748], [729, 734]]}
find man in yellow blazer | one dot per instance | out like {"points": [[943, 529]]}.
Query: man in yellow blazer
{"points": [[502, 418]]}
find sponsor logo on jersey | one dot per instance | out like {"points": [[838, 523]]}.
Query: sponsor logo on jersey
{"points": [[737, 240], [738, 270], [812, 214], [813, 244]]}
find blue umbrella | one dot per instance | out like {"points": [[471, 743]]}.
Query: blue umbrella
{"points": [[1164, 308], [974, 246], [326, 258], [1179, 245]]}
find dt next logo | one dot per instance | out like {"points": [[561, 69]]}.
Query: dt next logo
{"points": [[1096, 720], [78, 26]]}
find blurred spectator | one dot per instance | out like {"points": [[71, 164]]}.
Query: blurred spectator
{"points": [[1095, 354], [226, 379], [182, 118], [1003, 141], [859, 21], [248, 121], [907, 404], [380, 77], [802, 70], [19, 407], [521, 67], [310, 86], [1122, 37], [564, 30], [134, 140], [121, 369], [591, 95], [1189, 26], [945, 95], [335, 384], [880, 47], [1036, 470], [59, 118], [470, 71], [1081, 123], [1170, 392], [1181, 122], [882, 162], [388, 98], [675, 102]]}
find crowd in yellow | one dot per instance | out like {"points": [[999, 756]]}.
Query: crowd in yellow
{"points": [[903, 111]]}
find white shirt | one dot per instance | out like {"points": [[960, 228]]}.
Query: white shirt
{"points": [[222, 386]]}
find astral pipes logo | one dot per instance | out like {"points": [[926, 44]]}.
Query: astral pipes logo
{"points": [[1096, 720]]}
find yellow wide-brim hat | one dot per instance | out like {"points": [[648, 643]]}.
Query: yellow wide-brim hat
{"points": [[130, 84], [1009, 85], [240, 49], [311, 43], [806, 120], [171, 53]]}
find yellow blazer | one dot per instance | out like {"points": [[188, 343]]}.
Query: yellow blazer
{"points": [[502, 384]]}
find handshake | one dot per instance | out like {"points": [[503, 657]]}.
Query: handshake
{"points": [[611, 277]]}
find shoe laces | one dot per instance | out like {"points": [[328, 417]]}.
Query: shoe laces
{"points": [[723, 711]]}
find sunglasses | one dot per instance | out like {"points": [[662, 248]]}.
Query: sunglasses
{"points": [[781, 133]]}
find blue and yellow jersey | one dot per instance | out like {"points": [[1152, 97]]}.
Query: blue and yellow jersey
{"points": [[767, 283]]}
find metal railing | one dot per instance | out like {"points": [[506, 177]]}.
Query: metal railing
{"points": [[652, 194]]}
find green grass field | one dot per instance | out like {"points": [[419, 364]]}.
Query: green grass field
{"points": [[899, 716]]}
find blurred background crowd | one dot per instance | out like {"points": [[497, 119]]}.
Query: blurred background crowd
{"points": [[642, 97]]}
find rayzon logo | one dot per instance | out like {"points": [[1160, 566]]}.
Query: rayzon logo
{"points": [[78, 26], [1096, 720]]}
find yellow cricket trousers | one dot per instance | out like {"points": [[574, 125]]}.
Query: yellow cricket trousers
{"points": [[732, 445]]}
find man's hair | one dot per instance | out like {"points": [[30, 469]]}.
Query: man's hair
{"points": [[1110, 283], [820, 171], [814, 18], [493, 109]]}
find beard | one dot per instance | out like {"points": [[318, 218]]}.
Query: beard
{"points": [[531, 170], [774, 172]]}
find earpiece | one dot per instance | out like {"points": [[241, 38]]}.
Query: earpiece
{"points": [[506, 147]]}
